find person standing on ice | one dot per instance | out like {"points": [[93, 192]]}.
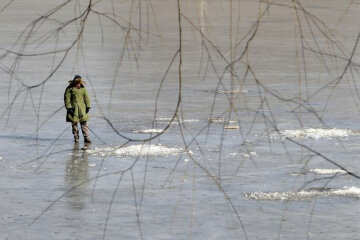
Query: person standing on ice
{"points": [[77, 104]]}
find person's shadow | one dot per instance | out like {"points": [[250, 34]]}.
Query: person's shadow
{"points": [[77, 177]]}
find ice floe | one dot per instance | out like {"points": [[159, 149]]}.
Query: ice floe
{"points": [[306, 194], [326, 171], [317, 133], [137, 150]]}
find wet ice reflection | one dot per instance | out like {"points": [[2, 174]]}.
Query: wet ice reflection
{"points": [[76, 178]]}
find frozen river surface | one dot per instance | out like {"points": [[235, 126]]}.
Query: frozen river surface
{"points": [[236, 120]]}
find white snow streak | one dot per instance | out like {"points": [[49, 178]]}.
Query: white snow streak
{"points": [[306, 194], [221, 120], [326, 171], [137, 150], [317, 133], [148, 131], [232, 91], [176, 122]]}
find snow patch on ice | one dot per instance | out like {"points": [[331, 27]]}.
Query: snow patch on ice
{"points": [[249, 154], [326, 171], [156, 130], [220, 120], [306, 194], [137, 150], [232, 91], [317, 133], [176, 122], [229, 91]]}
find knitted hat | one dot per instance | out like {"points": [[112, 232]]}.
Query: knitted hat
{"points": [[76, 77]]}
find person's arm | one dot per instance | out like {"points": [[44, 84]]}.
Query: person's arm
{"points": [[67, 98], [87, 100]]}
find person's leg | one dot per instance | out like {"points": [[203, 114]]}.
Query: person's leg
{"points": [[85, 132], [75, 131]]}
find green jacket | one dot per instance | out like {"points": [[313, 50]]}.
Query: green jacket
{"points": [[78, 100]]}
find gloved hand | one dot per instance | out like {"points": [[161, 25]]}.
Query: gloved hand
{"points": [[71, 111], [87, 109]]}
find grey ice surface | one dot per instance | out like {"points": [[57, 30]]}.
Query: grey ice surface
{"points": [[52, 189]]}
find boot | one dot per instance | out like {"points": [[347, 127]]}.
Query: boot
{"points": [[76, 140], [87, 140]]}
